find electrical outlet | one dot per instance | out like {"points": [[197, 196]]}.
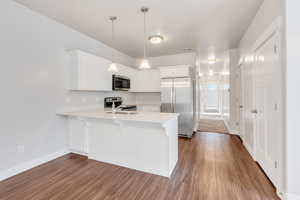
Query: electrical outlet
{"points": [[21, 148]]}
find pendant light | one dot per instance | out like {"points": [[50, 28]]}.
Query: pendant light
{"points": [[113, 66], [145, 63]]}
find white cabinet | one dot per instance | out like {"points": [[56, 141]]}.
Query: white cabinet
{"points": [[88, 72], [78, 136], [127, 71], [175, 71], [146, 81]]}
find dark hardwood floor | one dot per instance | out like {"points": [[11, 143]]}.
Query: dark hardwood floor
{"points": [[211, 167]]}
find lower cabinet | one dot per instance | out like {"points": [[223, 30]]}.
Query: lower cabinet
{"points": [[78, 136]]}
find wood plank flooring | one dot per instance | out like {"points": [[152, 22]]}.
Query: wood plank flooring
{"points": [[211, 167]]}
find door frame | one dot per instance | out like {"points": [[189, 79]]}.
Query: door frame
{"points": [[274, 30], [241, 103]]}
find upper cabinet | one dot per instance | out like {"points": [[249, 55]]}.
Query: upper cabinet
{"points": [[126, 71], [175, 71], [146, 81], [88, 72]]}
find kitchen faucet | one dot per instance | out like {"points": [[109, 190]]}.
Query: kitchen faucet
{"points": [[114, 108]]}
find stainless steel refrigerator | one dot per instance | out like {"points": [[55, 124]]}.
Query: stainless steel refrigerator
{"points": [[177, 96]]}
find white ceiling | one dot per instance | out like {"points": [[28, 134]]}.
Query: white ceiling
{"points": [[204, 25]]}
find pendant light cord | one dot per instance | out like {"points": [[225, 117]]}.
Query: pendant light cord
{"points": [[144, 35], [112, 40]]}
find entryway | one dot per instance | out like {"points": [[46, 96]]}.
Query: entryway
{"points": [[212, 126]]}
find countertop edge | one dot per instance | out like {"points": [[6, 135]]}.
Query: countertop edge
{"points": [[114, 117]]}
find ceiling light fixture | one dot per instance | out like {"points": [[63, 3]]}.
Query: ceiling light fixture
{"points": [[113, 66], [225, 73], [156, 39], [212, 61], [145, 63]]}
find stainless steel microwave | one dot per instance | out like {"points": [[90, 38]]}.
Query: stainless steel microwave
{"points": [[120, 83]]}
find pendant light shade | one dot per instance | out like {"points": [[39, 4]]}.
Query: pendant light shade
{"points": [[113, 66], [145, 63]]}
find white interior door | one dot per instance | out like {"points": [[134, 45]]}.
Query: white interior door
{"points": [[266, 106], [247, 103], [240, 103]]}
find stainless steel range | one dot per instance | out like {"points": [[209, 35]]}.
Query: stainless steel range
{"points": [[118, 103]]}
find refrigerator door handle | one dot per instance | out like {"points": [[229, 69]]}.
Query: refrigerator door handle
{"points": [[171, 98], [174, 97]]}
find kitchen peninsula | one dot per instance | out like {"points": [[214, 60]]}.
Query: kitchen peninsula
{"points": [[142, 141]]}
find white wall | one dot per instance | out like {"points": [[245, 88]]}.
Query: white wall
{"points": [[32, 83], [148, 98], [292, 98], [170, 60], [268, 11]]}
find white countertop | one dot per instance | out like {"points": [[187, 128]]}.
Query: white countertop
{"points": [[154, 117]]}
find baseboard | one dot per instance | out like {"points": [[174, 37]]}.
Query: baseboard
{"points": [[78, 152], [231, 131], [5, 174], [249, 149], [289, 196], [226, 124], [234, 132]]}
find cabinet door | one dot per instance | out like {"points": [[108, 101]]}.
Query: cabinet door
{"points": [[124, 71], [93, 73], [148, 81], [154, 83], [175, 71], [78, 136], [89, 72], [134, 81]]}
